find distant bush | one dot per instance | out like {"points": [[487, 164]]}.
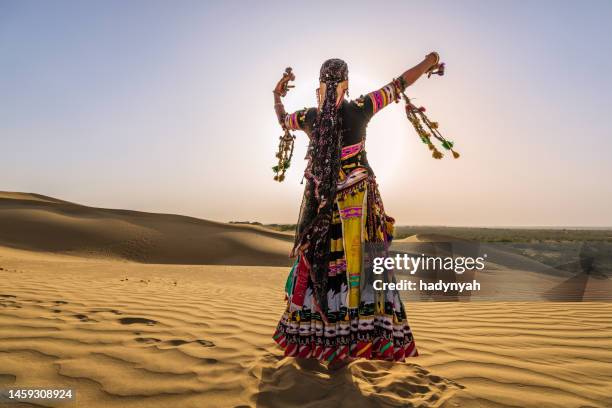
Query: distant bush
{"points": [[246, 222]]}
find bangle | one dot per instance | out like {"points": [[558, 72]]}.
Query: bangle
{"points": [[402, 82], [399, 84]]}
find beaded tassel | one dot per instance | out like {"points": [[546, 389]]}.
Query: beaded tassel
{"points": [[417, 117], [284, 155], [286, 140]]}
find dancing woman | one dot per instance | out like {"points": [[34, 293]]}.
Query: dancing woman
{"points": [[333, 312]]}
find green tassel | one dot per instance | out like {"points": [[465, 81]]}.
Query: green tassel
{"points": [[447, 144], [275, 169]]}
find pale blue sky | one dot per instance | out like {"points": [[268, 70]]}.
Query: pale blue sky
{"points": [[167, 106]]}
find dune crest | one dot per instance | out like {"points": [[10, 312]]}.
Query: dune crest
{"points": [[39, 223]]}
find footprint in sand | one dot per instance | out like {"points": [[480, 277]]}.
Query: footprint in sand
{"points": [[7, 302], [84, 318], [10, 304], [180, 342], [408, 382], [137, 320], [174, 342], [105, 310], [147, 340], [37, 301], [367, 383], [206, 343], [209, 360]]}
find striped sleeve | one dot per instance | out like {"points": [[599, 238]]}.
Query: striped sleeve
{"points": [[377, 100], [296, 120]]}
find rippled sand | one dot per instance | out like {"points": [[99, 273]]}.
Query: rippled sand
{"points": [[132, 335]]}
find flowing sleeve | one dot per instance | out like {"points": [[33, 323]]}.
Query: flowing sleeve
{"points": [[301, 119], [375, 101]]}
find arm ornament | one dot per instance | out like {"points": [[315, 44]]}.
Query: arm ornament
{"points": [[286, 140], [425, 128]]}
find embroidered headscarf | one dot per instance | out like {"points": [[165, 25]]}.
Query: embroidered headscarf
{"points": [[313, 230]]}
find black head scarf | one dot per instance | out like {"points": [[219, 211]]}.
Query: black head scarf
{"points": [[321, 174]]}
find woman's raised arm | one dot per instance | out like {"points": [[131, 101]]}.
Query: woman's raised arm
{"points": [[378, 99], [430, 62], [295, 120]]}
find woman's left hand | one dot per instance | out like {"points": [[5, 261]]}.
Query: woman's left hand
{"points": [[433, 58]]}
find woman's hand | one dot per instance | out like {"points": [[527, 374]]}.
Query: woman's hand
{"points": [[436, 67], [427, 66], [433, 59], [283, 86]]}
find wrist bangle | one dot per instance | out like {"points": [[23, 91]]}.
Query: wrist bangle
{"points": [[402, 82], [399, 84]]}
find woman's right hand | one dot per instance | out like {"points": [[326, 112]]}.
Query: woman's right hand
{"points": [[282, 86]]}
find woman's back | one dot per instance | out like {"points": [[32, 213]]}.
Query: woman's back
{"points": [[354, 115]]}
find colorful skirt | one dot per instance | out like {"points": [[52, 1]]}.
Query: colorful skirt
{"points": [[359, 321]]}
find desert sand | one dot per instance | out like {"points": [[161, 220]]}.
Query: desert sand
{"points": [[134, 309]]}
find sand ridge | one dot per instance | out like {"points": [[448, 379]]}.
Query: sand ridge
{"points": [[43, 224]]}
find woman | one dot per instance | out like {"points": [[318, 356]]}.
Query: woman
{"points": [[333, 312]]}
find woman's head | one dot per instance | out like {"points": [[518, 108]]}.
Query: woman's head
{"points": [[334, 73]]}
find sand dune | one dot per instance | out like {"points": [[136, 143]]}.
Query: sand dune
{"points": [[38, 223], [120, 306]]}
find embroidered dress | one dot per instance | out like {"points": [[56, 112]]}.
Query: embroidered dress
{"points": [[357, 320]]}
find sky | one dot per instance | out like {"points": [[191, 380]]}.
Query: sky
{"points": [[167, 106]]}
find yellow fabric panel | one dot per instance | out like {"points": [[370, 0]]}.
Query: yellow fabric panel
{"points": [[352, 234]]}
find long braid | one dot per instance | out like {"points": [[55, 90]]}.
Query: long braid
{"points": [[322, 174]]}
